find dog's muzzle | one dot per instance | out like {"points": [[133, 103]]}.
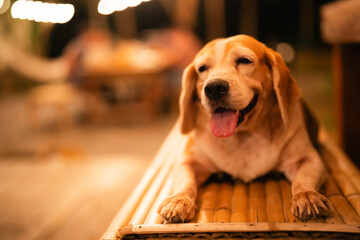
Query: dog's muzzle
{"points": [[217, 90]]}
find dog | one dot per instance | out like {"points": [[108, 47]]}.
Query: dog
{"points": [[242, 113]]}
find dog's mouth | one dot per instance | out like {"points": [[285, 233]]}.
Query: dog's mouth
{"points": [[224, 121]]}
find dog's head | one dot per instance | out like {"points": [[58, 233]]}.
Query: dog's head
{"points": [[232, 79]]}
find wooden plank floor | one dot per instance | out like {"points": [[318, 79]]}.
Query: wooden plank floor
{"points": [[56, 199], [69, 184]]}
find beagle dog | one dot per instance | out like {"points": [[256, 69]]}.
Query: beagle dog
{"points": [[241, 111]]}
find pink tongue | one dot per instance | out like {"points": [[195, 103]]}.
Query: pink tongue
{"points": [[223, 124]]}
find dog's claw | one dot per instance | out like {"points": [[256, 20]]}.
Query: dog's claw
{"points": [[310, 204], [177, 209]]}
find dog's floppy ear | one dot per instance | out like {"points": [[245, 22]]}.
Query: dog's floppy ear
{"points": [[285, 87], [187, 99]]}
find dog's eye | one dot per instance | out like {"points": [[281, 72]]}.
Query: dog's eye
{"points": [[203, 68], [243, 60]]}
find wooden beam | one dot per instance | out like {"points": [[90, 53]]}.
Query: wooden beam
{"points": [[240, 227]]}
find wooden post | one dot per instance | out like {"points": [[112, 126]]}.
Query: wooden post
{"points": [[214, 19], [341, 28], [185, 13], [347, 82], [248, 17], [126, 23]]}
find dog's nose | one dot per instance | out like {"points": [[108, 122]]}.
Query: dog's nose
{"points": [[217, 89]]}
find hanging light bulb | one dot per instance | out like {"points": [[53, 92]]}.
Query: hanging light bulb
{"points": [[42, 12], [107, 7]]}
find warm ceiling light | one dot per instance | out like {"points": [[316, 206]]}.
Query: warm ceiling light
{"points": [[42, 12], [107, 7]]}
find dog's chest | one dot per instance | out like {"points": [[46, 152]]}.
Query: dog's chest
{"points": [[245, 156]]}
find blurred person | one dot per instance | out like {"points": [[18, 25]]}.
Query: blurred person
{"points": [[179, 46], [89, 42]]}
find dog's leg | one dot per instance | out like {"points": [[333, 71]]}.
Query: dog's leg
{"points": [[308, 176], [180, 206]]}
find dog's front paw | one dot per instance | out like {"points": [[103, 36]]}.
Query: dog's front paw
{"points": [[177, 208], [306, 205]]}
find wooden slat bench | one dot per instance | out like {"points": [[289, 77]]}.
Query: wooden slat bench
{"points": [[231, 209]]}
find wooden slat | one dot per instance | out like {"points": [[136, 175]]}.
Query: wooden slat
{"points": [[354, 200], [208, 202], [147, 201], [346, 212], [288, 216], [339, 166], [333, 217], [223, 203], [344, 171], [273, 201], [257, 202], [285, 189], [346, 165], [239, 203], [331, 189], [198, 204], [344, 183], [153, 217]]}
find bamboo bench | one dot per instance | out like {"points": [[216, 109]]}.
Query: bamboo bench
{"points": [[231, 209]]}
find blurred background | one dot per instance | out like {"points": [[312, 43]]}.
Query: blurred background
{"points": [[89, 90]]}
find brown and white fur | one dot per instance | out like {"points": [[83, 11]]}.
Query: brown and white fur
{"points": [[241, 76]]}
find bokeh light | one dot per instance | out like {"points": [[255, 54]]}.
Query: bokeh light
{"points": [[286, 50], [106, 7], [42, 12]]}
